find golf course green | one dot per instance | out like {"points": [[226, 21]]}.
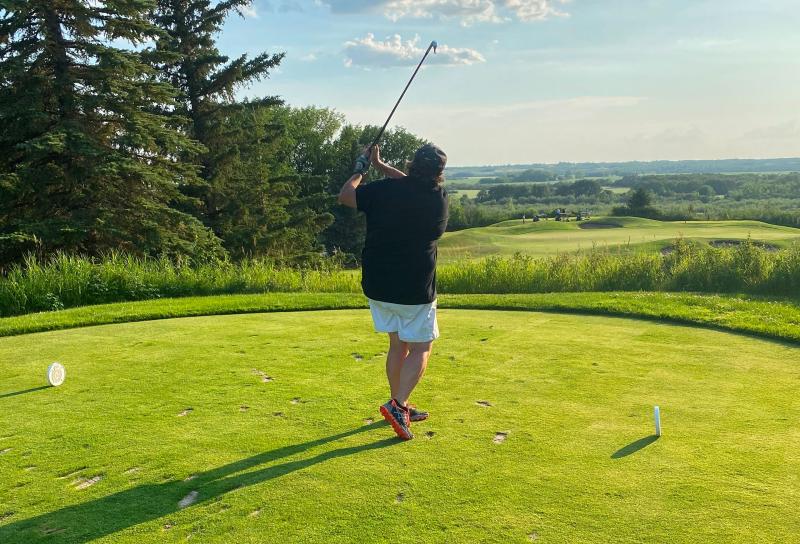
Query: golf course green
{"points": [[264, 428], [546, 238]]}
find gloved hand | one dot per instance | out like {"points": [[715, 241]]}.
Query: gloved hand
{"points": [[362, 164]]}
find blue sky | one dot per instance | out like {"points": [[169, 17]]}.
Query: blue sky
{"points": [[521, 81]]}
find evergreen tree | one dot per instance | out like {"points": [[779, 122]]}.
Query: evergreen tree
{"points": [[87, 160], [254, 202]]}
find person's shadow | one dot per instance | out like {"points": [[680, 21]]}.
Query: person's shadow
{"points": [[93, 519]]}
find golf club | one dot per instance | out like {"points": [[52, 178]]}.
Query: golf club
{"points": [[433, 46]]}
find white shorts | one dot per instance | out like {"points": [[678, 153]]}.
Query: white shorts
{"points": [[412, 323]]}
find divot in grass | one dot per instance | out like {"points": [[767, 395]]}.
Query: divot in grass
{"points": [[277, 414], [186, 412], [5, 515], [369, 421], [5, 451], [500, 437], [73, 472], [533, 537], [358, 357], [188, 500], [265, 378], [254, 513], [430, 434], [47, 531], [84, 483], [244, 408], [400, 498], [133, 470], [484, 403]]}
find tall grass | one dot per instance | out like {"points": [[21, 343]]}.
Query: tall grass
{"points": [[746, 268], [68, 281]]}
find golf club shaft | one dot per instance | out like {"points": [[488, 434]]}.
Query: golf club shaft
{"points": [[386, 124]]}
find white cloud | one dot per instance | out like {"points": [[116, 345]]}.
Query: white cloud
{"points": [[467, 11], [249, 11], [368, 52]]}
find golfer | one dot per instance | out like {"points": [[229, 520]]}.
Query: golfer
{"points": [[406, 216]]}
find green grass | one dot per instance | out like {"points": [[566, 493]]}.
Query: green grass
{"points": [[294, 459], [776, 319], [471, 193], [547, 238]]}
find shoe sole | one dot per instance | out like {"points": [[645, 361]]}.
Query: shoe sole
{"points": [[399, 431], [418, 419]]}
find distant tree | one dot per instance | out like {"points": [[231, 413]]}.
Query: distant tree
{"points": [[640, 199], [582, 187], [534, 175], [639, 204], [88, 160], [706, 193]]}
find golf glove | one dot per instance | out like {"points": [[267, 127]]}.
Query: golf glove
{"points": [[362, 165]]}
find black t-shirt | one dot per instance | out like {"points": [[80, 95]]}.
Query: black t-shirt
{"points": [[405, 218]]}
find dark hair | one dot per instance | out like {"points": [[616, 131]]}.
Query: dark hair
{"points": [[423, 172]]}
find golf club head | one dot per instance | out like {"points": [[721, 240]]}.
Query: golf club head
{"points": [[434, 44]]}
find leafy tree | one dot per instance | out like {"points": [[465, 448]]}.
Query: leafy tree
{"points": [[582, 187], [639, 204], [309, 140], [87, 160], [640, 199], [256, 203]]}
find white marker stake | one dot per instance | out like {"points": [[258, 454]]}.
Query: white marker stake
{"points": [[657, 417]]}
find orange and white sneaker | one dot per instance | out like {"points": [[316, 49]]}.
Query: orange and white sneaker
{"points": [[398, 417]]}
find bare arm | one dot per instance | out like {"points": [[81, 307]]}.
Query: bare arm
{"points": [[389, 171], [385, 169], [347, 196]]}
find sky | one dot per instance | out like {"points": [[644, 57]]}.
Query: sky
{"points": [[543, 81]]}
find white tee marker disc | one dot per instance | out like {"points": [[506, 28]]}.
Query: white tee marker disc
{"points": [[56, 374]]}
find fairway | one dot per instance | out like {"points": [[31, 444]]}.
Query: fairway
{"points": [[547, 238], [261, 424]]}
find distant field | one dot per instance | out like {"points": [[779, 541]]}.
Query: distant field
{"points": [[619, 233], [471, 193], [465, 181]]}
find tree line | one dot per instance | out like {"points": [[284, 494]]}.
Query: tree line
{"points": [[538, 192], [566, 170], [121, 129], [734, 186]]}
